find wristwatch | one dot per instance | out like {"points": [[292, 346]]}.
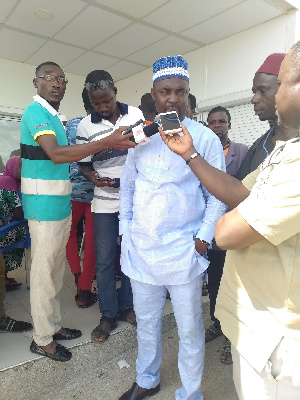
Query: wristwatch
{"points": [[204, 242], [192, 156]]}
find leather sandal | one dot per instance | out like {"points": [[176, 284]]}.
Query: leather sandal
{"points": [[226, 356], [127, 315], [102, 332], [85, 298], [204, 289]]}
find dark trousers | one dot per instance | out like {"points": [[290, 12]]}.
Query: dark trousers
{"points": [[106, 231], [215, 271]]}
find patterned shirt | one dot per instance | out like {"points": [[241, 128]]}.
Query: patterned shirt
{"points": [[82, 189], [164, 207], [9, 200]]}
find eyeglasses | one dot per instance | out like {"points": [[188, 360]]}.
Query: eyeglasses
{"points": [[98, 85], [53, 78]]}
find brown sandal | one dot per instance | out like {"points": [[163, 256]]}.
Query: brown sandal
{"points": [[226, 356], [102, 332], [127, 315], [85, 298]]}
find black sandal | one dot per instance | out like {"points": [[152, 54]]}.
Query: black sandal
{"points": [[104, 329]]}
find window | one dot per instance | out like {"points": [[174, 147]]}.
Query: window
{"points": [[245, 125]]}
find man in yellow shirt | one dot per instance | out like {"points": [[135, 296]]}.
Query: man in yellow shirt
{"points": [[259, 298]]}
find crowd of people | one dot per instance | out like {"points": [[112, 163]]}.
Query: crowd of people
{"points": [[178, 206]]}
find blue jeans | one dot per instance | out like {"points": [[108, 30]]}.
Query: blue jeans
{"points": [[106, 231]]}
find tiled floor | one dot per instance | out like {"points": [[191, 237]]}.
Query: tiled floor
{"points": [[14, 347]]}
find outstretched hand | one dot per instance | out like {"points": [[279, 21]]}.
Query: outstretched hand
{"points": [[118, 141], [180, 144]]}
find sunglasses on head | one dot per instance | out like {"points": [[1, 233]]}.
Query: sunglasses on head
{"points": [[98, 85]]}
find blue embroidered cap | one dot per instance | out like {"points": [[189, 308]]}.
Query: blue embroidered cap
{"points": [[170, 67]]}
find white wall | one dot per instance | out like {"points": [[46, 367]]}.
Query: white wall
{"points": [[17, 89], [220, 72], [223, 71]]}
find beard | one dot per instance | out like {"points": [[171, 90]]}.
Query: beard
{"points": [[54, 103], [106, 116]]}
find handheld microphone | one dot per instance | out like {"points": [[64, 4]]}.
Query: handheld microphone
{"points": [[141, 135], [128, 130]]}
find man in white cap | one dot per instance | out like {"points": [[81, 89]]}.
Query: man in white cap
{"points": [[167, 220]]}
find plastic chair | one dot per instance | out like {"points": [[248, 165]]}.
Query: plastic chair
{"points": [[21, 244]]}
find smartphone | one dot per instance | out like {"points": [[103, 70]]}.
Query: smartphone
{"points": [[170, 122], [104, 178]]}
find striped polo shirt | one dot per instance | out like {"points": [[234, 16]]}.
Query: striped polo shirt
{"points": [[45, 186], [94, 127]]}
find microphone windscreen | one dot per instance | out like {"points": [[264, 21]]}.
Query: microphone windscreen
{"points": [[139, 122], [140, 134], [150, 130]]}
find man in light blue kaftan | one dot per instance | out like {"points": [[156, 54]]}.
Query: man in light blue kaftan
{"points": [[167, 220]]}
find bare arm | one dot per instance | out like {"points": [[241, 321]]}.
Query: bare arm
{"points": [[223, 186], [86, 171], [18, 214], [233, 232], [200, 247], [65, 154]]}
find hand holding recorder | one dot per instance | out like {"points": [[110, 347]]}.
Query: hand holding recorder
{"points": [[170, 122], [180, 144]]}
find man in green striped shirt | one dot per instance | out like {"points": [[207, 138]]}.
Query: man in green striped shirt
{"points": [[46, 191]]}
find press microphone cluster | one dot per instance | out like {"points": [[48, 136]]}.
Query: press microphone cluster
{"points": [[141, 135]]}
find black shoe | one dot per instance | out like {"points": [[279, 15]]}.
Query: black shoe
{"points": [[8, 324], [60, 352], [69, 335], [133, 393], [212, 332]]}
